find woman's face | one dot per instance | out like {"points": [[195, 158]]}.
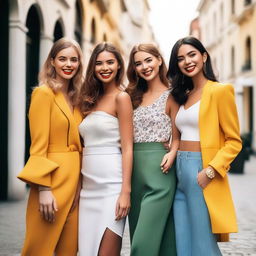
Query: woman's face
{"points": [[66, 64], [106, 67], [190, 60], [147, 65]]}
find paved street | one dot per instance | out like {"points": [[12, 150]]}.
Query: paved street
{"points": [[12, 217]]}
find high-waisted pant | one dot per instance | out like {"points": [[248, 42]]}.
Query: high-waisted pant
{"points": [[151, 218], [192, 223]]}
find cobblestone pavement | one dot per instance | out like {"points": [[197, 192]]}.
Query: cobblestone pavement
{"points": [[12, 218]]}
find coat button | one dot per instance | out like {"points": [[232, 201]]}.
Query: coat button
{"points": [[72, 148]]}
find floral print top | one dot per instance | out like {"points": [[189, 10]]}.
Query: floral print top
{"points": [[151, 123]]}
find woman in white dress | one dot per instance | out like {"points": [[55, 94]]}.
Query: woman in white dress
{"points": [[107, 132]]}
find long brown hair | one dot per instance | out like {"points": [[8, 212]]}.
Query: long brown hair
{"points": [[138, 86], [48, 74], [92, 88]]}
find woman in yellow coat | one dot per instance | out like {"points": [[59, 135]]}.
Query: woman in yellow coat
{"points": [[208, 123], [53, 169]]}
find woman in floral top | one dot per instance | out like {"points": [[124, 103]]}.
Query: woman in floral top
{"points": [[153, 179]]}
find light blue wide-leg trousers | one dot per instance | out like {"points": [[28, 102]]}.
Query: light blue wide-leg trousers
{"points": [[192, 222]]}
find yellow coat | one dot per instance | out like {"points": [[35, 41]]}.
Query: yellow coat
{"points": [[54, 161], [220, 143]]}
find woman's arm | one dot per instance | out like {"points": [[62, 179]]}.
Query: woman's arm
{"points": [[37, 170], [125, 115], [229, 124], [169, 158]]}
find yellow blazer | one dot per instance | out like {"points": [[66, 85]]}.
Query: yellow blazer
{"points": [[54, 161], [220, 143]]}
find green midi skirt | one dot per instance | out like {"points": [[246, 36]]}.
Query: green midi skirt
{"points": [[151, 217]]}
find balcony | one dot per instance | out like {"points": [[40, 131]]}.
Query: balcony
{"points": [[246, 13]]}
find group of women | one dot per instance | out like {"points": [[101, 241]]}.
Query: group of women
{"points": [[157, 150]]}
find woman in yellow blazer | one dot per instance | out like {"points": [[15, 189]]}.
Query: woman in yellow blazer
{"points": [[53, 168], [209, 128]]}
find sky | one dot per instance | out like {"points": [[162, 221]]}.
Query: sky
{"points": [[170, 20]]}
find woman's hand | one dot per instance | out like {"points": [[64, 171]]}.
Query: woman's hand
{"points": [[123, 205], [167, 162], [47, 205], [202, 179]]}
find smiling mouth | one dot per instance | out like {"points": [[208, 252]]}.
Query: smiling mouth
{"points": [[67, 71], [147, 73], [190, 69], [105, 75]]}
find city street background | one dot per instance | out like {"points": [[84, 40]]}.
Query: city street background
{"points": [[12, 219], [29, 28]]}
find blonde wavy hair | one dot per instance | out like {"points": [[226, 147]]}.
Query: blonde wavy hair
{"points": [[48, 74]]}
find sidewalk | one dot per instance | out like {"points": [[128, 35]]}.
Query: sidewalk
{"points": [[12, 219]]}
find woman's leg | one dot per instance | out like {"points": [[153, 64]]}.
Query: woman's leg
{"points": [[181, 217], [203, 241], [110, 244], [153, 204], [68, 241]]}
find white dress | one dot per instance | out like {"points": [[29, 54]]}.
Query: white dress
{"points": [[102, 181]]}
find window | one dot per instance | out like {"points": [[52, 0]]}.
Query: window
{"points": [[248, 62], [232, 61], [233, 7], [93, 32], [247, 2]]}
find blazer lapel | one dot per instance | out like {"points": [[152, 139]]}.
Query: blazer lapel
{"points": [[63, 105], [205, 104], [74, 119]]}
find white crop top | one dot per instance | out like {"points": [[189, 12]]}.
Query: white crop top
{"points": [[187, 122]]}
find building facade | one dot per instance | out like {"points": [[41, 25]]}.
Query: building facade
{"points": [[29, 28], [227, 29]]}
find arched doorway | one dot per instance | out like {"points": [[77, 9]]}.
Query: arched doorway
{"points": [[32, 62], [79, 23], [58, 31], [4, 51]]}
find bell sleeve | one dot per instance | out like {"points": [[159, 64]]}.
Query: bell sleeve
{"points": [[38, 168]]}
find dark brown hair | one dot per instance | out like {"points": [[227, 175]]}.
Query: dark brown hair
{"points": [[92, 88], [138, 86]]}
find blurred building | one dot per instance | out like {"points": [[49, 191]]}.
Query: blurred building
{"points": [[194, 29], [227, 29], [29, 28]]}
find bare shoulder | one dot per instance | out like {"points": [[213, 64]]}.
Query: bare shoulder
{"points": [[171, 103], [123, 97]]}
